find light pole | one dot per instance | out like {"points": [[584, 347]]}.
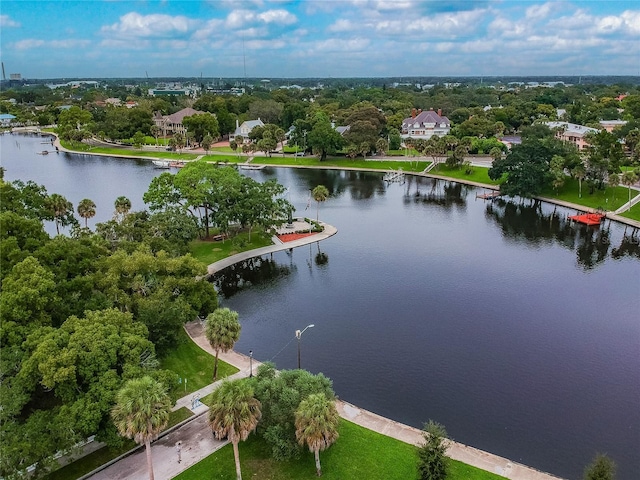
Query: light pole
{"points": [[250, 363], [298, 336]]}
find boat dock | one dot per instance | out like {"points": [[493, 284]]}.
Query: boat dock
{"points": [[488, 196], [588, 218], [394, 176]]}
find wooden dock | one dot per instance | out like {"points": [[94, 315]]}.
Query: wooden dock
{"points": [[488, 196]]}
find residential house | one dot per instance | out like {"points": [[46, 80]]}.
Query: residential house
{"points": [[570, 132], [170, 124], [609, 125], [6, 119], [244, 129], [425, 124]]}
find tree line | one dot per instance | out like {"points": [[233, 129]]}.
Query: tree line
{"points": [[85, 313]]}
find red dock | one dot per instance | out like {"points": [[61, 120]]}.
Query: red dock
{"points": [[588, 218]]}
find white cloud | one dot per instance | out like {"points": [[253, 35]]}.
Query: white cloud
{"points": [[341, 25], [280, 17], [631, 21], [69, 43], [134, 25], [6, 22], [28, 44], [452, 24]]}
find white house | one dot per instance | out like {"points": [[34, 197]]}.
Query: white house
{"points": [[425, 125], [244, 129]]}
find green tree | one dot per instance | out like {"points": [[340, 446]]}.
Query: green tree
{"points": [[579, 172], [142, 412], [234, 413], [527, 167], [122, 206], [61, 210], [206, 143], [201, 125], [433, 464], [222, 330], [602, 468], [280, 395], [138, 139], [317, 421], [319, 194], [86, 209], [323, 138]]}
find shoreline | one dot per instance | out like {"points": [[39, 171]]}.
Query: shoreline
{"points": [[562, 203]]}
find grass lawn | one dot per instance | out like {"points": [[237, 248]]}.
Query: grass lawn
{"points": [[83, 147], [479, 174], [312, 161], [92, 461], [633, 214], [608, 199], [208, 251], [358, 454], [189, 361]]}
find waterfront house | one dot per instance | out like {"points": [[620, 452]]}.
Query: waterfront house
{"points": [[245, 129], [425, 124], [572, 133], [170, 124]]}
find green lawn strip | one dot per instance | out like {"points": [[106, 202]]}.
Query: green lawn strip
{"points": [[313, 161], [633, 214], [209, 252], [189, 361], [608, 199], [103, 455], [359, 453], [223, 158], [222, 149], [127, 152], [478, 174]]}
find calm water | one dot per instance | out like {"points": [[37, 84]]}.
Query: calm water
{"points": [[516, 330]]}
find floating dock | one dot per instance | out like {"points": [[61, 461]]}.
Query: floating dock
{"points": [[588, 218]]}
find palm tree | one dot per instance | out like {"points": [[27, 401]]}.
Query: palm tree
{"points": [[629, 178], [122, 205], [319, 194], [579, 172], [222, 330], [234, 413], [613, 180], [59, 207], [86, 209], [141, 412], [317, 425]]}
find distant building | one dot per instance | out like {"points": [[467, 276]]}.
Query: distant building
{"points": [[6, 119], [173, 123], [609, 125], [570, 132], [425, 124], [160, 92], [245, 129]]}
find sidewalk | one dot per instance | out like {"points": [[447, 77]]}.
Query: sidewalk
{"points": [[198, 443]]}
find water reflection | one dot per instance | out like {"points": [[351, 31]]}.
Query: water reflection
{"points": [[434, 191], [254, 271], [527, 222]]}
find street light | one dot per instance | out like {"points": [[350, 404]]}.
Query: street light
{"points": [[298, 336], [250, 363]]}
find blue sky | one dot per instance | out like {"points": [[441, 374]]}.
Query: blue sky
{"points": [[318, 38]]}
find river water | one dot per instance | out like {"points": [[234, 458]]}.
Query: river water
{"points": [[515, 329]]}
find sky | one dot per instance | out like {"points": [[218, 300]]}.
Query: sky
{"points": [[318, 38]]}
